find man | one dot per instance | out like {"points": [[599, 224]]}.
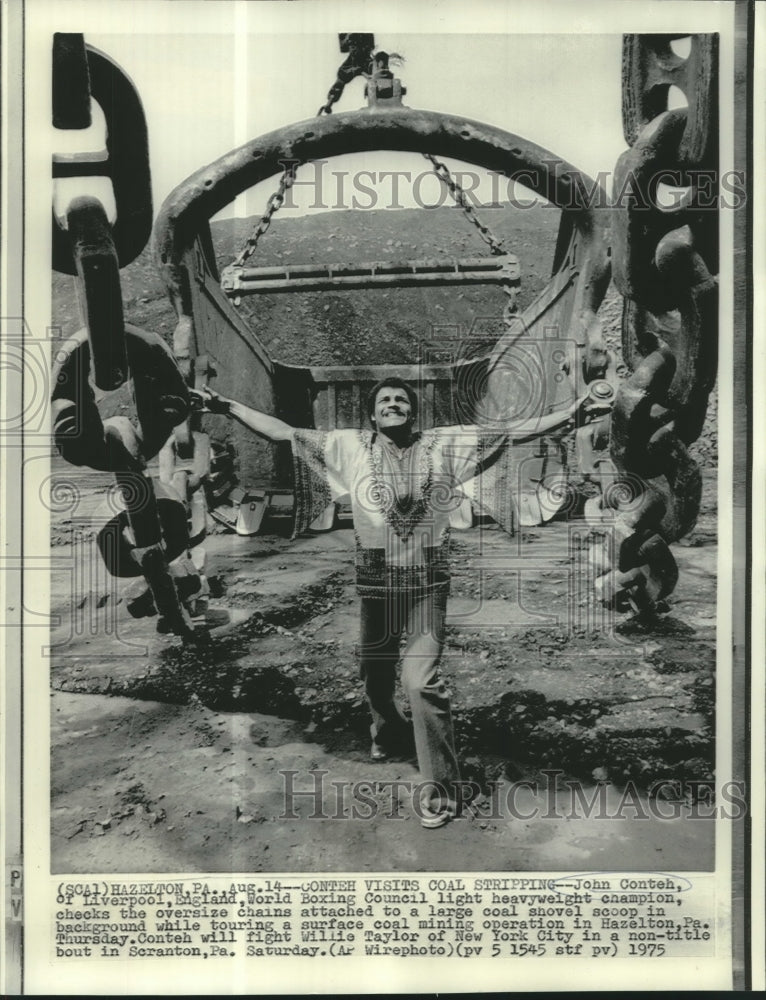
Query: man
{"points": [[403, 485]]}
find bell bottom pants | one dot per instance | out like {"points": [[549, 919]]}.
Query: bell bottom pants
{"points": [[416, 622]]}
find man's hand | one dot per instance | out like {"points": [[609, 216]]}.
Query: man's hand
{"points": [[209, 401]]}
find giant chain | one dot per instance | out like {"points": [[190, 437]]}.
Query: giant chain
{"points": [[149, 538], [664, 259]]}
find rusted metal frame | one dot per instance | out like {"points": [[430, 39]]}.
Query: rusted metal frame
{"points": [[587, 356], [231, 357], [187, 210], [556, 288], [583, 327], [208, 285], [210, 189]]}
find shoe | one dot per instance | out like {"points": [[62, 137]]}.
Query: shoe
{"points": [[433, 820], [377, 753]]}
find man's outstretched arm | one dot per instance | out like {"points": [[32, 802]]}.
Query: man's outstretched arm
{"points": [[584, 406], [262, 423], [527, 430], [538, 426]]}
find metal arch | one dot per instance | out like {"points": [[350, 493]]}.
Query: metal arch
{"points": [[560, 325], [188, 208]]}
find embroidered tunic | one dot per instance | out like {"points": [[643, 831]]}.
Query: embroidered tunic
{"points": [[401, 499]]}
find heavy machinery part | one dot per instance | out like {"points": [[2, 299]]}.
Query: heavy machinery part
{"points": [[403, 274], [358, 48], [186, 211], [383, 89], [85, 243], [664, 263], [125, 159], [185, 467], [161, 396], [95, 257], [118, 445], [117, 539], [650, 68], [207, 323]]}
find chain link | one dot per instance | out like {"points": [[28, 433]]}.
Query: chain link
{"points": [[495, 245], [277, 199], [123, 446], [95, 250], [444, 174], [273, 205], [358, 62], [662, 265]]}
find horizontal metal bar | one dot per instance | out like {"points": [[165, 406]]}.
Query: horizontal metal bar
{"points": [[312, 277], [360, 281], [429, 265]]}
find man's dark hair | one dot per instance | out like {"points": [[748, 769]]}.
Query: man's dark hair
{"points": [[394, 383]]}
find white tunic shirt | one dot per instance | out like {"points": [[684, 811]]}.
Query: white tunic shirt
{"points": [[401, 499]]}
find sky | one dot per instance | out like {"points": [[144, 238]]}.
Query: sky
{"points": [[218, 92], [215, 75], [205, 94]]}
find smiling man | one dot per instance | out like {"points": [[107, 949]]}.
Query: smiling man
{"points": [[403, 485]]}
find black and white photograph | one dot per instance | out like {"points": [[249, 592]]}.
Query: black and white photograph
{"points": [[379, 485]]}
